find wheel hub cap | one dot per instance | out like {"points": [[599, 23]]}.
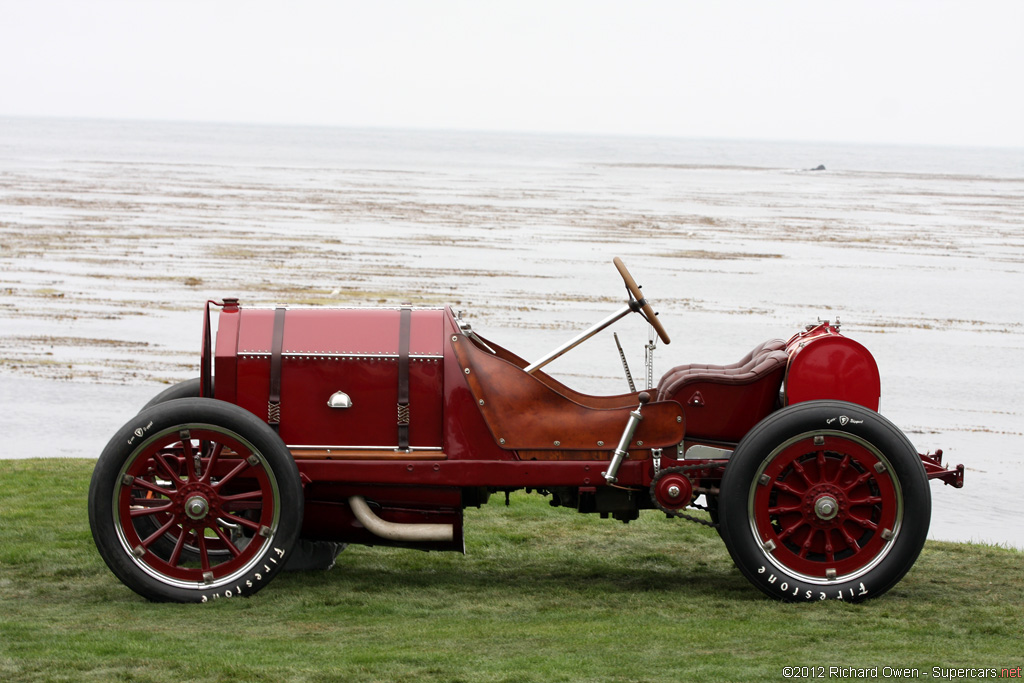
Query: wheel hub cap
{"points": [[196, 507], [826, 507]]}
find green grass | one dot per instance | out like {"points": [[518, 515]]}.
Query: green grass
{"points": [[542, 595]]}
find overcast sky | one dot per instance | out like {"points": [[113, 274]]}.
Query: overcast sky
{"points": [[892, 71]]}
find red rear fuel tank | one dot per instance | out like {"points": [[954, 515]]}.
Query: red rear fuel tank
{"points": [[823, 364]]}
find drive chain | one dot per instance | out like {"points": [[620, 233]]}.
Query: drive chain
{"points": [[683, 469]]}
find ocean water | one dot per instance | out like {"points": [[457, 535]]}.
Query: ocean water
{"points": [[114, 234], [34, 141]]}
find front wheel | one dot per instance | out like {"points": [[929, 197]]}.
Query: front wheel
{"points": [[824, 500], [194, 500]]}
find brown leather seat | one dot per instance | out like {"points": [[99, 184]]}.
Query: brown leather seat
{"points": [[676, 375], [723, 402]]}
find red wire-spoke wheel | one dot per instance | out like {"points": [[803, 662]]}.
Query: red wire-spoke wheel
{"points": [[195, 500], [150, 513], [306, 554], [824, 500], [166, 543], [829, 503]]}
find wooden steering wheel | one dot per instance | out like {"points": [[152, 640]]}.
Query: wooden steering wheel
{"points": [[645, 308]]}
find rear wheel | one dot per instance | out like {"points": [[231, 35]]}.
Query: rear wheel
{"points": [[193, 500], [824, 500], [190, 388]]}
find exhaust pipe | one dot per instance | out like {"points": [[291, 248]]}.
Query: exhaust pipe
{"points": [[399, 532]]}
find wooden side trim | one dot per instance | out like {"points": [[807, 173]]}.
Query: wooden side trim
{"points": [[300, 453]]}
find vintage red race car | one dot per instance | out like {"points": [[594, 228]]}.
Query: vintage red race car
{"points": [[311, 428]]}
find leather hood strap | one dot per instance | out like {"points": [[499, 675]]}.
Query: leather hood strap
{"points": [[404, 331], [276, 352]]}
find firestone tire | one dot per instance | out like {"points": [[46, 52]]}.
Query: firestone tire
{"points": [[218, 479], [824, 500]]}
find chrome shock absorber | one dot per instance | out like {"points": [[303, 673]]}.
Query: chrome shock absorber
{"points": [[622, 450]]}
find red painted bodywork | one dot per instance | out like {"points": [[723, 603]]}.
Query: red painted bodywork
{"points": [[454, 460], [723, 413]]}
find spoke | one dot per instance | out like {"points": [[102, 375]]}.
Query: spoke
{"points": [[178, 546], [857, 482], [866, 523], [241, 520], [146, 511], [150, 486], [204, 446], [243, 464], [850, 540], [190, 464], [783, 509], [159, 532], [830, 554], [251, 495], [204, 555], [150, 501], [806, 547], [227, 541], [799, 469], [790, 529], [842, 468], [821, 466], [872, 500], [218, 448], [161, 460], [783, 486]]}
